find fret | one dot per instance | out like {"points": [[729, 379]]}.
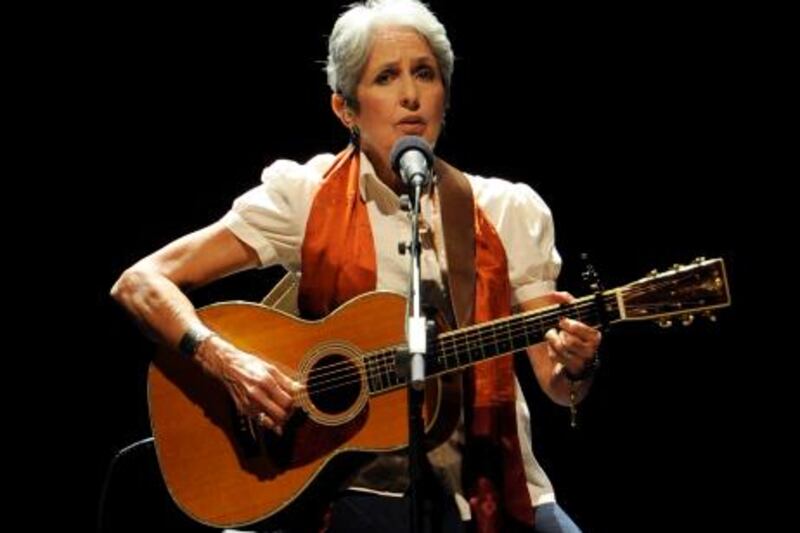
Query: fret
{"points": [[483, 348], [542, 329], [455, 350], [476, 346], [391, 375], [503, 343], [519, 337], [539, 328], [442, 358], [438, 355], [379, 372], [526, 330], [442, 348], [385, 373], [462, 345], [375, 379], [394, 376], [370, 376]]}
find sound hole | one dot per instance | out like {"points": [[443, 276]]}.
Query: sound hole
{"points": [[333, 384]]}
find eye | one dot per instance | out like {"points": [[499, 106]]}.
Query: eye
{"points": [[426, 72], [384, 77]]}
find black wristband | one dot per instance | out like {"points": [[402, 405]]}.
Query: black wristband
{"points": [[192, 339], [587, 372]]}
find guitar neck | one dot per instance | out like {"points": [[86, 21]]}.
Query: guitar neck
{"points": [[464, 347], [458, 349], [700, 287]]}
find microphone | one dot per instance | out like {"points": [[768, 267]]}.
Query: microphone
{"points": [[412, 159]]}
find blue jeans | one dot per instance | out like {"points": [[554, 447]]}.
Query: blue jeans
{"points": [[360, 512], [551, 518]]}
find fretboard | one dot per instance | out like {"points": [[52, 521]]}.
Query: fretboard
{"points": [[461, 348]]}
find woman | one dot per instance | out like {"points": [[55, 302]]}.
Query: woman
{"points": [[390, 64]]}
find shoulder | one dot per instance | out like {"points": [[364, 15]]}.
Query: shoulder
{"points": [[286, 186], [287, 171], [497, 196]]}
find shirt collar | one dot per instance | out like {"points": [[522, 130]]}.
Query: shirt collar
{"points": [[372, 189]]}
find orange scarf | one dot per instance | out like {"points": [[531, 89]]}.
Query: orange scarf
{"points": [[338, 263]]}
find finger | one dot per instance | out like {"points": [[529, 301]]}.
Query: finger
{"points": [[264, 403], [559, 297], [271, 385], [241, 406], [566, 296], [280, 396], [576, 346], [552, 337], [556, 345], [265, 421], [239, 397], [290, 386], [584, 332]]}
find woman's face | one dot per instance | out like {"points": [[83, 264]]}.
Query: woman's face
{"points": [[400, 92]]}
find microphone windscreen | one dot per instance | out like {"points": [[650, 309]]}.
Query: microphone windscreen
{"points": [[409, 142]]}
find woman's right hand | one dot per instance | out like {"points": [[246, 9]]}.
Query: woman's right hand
{"points": [[259, 389]]}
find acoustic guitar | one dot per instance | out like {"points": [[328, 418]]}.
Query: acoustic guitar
{"points": [[224, 470]]}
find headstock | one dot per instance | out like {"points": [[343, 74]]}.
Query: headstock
{"points": [[684, 291]]}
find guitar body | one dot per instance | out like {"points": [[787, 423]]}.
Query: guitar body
{"points": [[225, 471]]}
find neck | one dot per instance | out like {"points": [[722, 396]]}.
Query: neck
{"points": [[385, 173]]}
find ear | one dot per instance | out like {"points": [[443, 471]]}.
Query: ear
{"points": [[341, 110]]}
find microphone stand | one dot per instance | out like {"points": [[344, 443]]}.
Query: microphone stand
{"points": [[416, 333]]}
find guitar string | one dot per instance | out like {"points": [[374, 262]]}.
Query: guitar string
{"points": [[458, 341], [514, 325], [577, 305], [465, 339], [383, 361]]}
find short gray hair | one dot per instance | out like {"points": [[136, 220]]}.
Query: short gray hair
{"points": [[351, 39]]}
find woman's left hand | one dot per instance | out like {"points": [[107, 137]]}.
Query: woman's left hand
{"points": [[574, 344]]}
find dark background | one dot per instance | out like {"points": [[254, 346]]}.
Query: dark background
{"points": [[641, 130]]}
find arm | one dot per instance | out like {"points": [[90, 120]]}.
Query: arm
{"points": [[571, 349], [151, 291]]}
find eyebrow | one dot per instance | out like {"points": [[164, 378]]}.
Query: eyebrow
{"points": [[415, 61]]}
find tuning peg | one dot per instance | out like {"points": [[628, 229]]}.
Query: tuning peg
{"points": [[699, 260], [665, 323], [687, 319], [710, 316], [677, 267], [590, 275], [653, 273]]}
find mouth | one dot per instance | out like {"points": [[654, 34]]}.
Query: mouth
{"points": [[412, 125]]}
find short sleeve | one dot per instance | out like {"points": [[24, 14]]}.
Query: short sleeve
{"points": [[525, 225], [271, 217]]}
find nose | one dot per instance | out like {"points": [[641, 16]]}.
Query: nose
{"points": [[409, 93]]}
